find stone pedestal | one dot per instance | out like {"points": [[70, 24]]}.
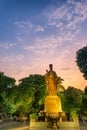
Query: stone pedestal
{"points": [[39, 126], [53, 110], [52, 105]]}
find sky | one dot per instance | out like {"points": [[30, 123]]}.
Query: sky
{"points": [[36, 33]]}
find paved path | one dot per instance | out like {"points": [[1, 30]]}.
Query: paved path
{"points": [[42, 126], [11, 125], [82, 128]]}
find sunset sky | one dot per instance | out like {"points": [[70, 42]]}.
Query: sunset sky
{"points": [[36, 33]]}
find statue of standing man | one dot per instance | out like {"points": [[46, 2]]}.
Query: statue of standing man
{"points": [[51, 81]]}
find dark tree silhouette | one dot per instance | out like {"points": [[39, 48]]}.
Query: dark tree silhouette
{"points": [[81, 60]]}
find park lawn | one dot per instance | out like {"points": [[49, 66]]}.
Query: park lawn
{"points": [[13, 125]]}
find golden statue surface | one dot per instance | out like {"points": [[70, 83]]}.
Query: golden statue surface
{"points": [[51, 81], [52, 101]]}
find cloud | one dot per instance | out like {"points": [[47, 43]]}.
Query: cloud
{"points": [[12, 65], [45, 45], [68, 17], [66, 69], [24, 25], [39, 29], [12, 58], [29, 26], [6, 45]]}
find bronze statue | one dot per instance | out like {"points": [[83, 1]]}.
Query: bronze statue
{"points": [[51, 81]]}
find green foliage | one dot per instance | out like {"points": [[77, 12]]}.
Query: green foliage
{"points": [[71, 100], [85, 90], [60, 87], [81, 60], [31, 93], [84, 101], [6, 85], [28, 97], [33, 115], [6, 82], [73, 113]]}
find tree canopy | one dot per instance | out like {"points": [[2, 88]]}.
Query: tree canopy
{"points": [[71, 100], [28, 96], [81, 60], [31, 93], [84, 102], [7, 84]]}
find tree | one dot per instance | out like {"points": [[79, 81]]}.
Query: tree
{"points": [[6, 82], [72, 100], [85, 90], [84, 101], [6, 86], [60, 87], [81, 60], [31, 94]]}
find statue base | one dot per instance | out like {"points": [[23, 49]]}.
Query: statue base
{"points": [[52, 105]]}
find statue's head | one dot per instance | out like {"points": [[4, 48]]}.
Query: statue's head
{"points": [[51, 67]]}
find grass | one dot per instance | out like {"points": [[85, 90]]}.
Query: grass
{"points": [[13, 125]]}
